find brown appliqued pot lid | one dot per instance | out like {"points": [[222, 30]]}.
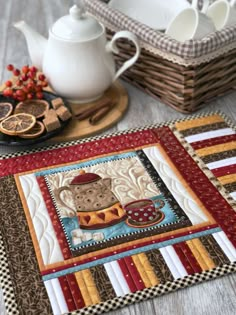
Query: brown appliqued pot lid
{"points": [[85, 178]]}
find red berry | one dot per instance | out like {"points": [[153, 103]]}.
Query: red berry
{"points": [[20, 98], [30, 96], [25, 89], [25, 69], [14, 95], [16, 72], [24, 77], [19, 83], [33, 69], [20, 93], [8, 92], [42, 77], [38, 88], [31, 74], [10, 67], [39, 95], [31, 86], [8, 83], [44, 83]]}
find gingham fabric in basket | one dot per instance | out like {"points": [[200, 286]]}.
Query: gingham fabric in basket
{"points": [[58, 258], [188, 50]]}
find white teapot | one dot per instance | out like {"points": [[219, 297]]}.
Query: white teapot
{"points": [[77, 59]]}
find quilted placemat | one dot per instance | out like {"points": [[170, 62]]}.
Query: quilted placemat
{"points": [[94, 225]]}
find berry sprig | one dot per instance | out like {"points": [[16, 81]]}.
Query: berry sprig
{"points": [[27, 83]]}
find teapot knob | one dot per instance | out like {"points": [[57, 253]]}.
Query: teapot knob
{"points": [[77, 12]]}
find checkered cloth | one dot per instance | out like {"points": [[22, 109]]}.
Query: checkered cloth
{"points": [[187, 50]]}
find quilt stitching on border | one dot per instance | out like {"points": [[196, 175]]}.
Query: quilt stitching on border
{"points": [[198, 156]]}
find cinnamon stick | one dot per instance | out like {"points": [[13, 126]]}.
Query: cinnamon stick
{"points": [[101, 113], [92, 110]]}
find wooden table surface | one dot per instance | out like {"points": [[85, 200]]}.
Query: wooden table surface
{"points": [[216, 297]]}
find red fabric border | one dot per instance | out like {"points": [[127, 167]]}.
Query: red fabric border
{"points": [[226, 170], [134, 272], [184, 259], [75, 291], [189, 256], [67, 293], [118, 251], [219, 208], [54, 219], [213, 141], [34, 161], [127, 275]]}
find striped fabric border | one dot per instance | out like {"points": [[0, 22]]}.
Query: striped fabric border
{"points": [[159, 290], [156, 271], [214, 142], [140, 271]]}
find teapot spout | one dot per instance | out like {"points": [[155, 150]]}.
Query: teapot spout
{"points": [[36, 43]]}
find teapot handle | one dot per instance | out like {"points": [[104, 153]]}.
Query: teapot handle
{"points": [[58, 193], [112, 47]]}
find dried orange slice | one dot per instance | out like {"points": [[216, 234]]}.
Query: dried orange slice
{"points": [[17, 124], [5, 110], [36, 108], [34, 132]]}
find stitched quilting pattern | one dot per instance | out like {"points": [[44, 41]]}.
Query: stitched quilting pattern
{"points": [[95, 225]]}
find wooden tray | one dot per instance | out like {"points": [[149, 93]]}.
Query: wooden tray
{"points": [[80, 129]]}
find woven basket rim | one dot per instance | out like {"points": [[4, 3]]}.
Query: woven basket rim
{"points": [[189, 52]]}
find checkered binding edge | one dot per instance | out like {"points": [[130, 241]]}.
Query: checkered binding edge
{"points": [[219, 40], [5, 278], [108, 135], [6, 283], [156, 291]]}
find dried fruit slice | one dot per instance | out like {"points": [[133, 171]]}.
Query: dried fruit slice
{"points": [[17, 124], [34, 132], [36, 108], [5, 110]]}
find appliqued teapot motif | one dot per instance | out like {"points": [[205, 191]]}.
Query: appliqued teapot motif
{"points": [[77, 59], [97, 207], [95, 204]]}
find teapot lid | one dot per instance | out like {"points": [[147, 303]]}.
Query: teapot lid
{"points": [[85, 178], [77, 26]]}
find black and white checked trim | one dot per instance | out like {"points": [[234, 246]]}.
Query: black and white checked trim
{"points": [[118, 302], [6, 283], [156, 291]]}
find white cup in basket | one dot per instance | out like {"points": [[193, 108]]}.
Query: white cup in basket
{"points": [[191, 23], [223, 13]]}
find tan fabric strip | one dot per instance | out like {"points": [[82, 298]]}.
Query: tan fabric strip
{"points": [[141, 271], [91, 286], [83, 288], [203, 254], [148, 268], [227, 179], [198, 122], [197, 255], [217, 148]]}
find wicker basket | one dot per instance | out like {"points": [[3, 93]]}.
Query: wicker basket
{"points": [[183, 75]]}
